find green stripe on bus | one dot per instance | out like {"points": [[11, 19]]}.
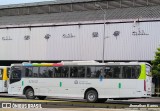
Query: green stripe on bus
{"points": [[119, 85], [143, 72], [22, 83], [60, 84]]}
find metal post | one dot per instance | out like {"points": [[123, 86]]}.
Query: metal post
{"points": [[104, 34]]}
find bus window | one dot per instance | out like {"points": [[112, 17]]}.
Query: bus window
{"points": [[78, 72], [50, 71], [1, 73], [35, 72], [61, 72], [65, 72], [46, 72], [117, 71], [130, 72], [73, 72], [108, 72], [127, 72], [94, 72], [81, 72], [28, 72], [15, 74], [137, 71], [57, 72], [43, 72]]}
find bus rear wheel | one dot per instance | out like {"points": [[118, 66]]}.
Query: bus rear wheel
{"points": [[41, 97], [92, 96], [30, 94]]}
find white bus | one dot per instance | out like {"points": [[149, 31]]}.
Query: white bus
{"points": [[4, 74], [88, 80]]}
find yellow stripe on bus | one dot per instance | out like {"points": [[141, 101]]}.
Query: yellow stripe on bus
{"points": [[5, 73]]}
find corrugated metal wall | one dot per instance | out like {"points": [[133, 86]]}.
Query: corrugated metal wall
{"points": [[124, 41]]}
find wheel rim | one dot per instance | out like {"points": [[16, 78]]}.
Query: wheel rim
{"points": [[30, 93], [91, 96]]}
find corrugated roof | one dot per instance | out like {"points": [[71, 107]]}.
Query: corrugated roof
{"points": [[77, 16], [44, 3]]}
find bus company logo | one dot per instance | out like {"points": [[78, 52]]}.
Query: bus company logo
{"points": [[76, 82], [21, 105], [6, 105]]}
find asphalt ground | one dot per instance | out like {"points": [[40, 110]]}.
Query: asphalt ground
{"points": [[60, 104]]}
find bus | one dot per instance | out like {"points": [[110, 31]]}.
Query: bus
{"points": [[90, 80], [4, 74]]}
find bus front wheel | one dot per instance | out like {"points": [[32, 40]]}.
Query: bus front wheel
{"points": [[30, 94], [92, 96]]}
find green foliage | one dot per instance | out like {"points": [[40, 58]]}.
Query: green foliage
{"points": [[156, 63]]}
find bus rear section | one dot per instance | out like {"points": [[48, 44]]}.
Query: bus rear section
{"points": [[4, 73], [148, 81]]}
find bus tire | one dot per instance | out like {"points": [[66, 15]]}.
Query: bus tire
{"points": [[41, 97], [91, 96], [30, 94]]}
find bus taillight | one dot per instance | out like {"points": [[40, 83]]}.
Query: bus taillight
{"points": [[144, 85]]}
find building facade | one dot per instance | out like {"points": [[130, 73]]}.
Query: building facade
{"points": [[74, 30]]}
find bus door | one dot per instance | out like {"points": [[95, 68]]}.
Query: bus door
{"points": [[15, 85], [1, 81], [148, 81]]}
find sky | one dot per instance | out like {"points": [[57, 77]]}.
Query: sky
{"points": [[8, 2]]}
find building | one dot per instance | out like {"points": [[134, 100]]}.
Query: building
{"points": [[74, 30]]}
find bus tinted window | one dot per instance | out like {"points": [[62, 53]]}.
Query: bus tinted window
{"points": [[61, 72], [77, 71], [94, 72], [130, 72], [50, 71], [16, 74], [108, 72], [1, 73], [46, 72], [112, 72], [117, 71], [28, 72], [81, 72], [35, 72]]}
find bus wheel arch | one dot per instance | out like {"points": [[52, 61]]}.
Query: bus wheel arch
{"points": [[91, 92], [29, 92]]}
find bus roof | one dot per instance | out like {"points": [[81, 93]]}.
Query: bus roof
{"points": [[4, 66], [69, 63]]}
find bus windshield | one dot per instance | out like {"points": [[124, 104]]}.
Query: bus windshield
{"points": [[16, 73]]}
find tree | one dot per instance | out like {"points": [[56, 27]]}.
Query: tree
{"points": [[156, 64]]}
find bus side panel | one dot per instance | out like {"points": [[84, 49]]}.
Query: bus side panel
{"points": [[1, 86], [16, 88], [148, 86], [131, 88]]}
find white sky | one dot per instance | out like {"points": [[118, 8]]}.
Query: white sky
{"points": [[8, 2]]}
